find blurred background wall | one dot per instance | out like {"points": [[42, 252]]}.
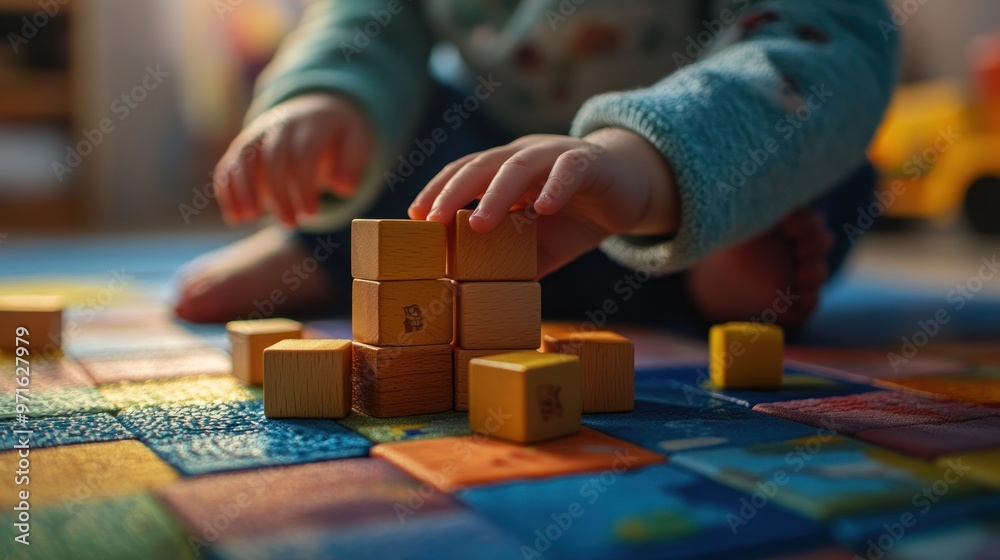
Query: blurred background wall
{"points": [[168, 80]]}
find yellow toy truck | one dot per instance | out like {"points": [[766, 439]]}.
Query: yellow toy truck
{"points": [[938, 154]]}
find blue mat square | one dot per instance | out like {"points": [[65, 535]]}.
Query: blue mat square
{"points": [[656, 512], [237, 435], [50, 432]]}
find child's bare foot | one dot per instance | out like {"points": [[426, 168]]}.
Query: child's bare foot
{"points": [[241, 280], [773, 277]]}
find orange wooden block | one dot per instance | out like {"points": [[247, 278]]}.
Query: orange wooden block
{"points": [[398, 249], [41, 316], [249, 339], [498, 315], [509, 252], [453, 463], [307, 379], [539, 392], [461, 359], [402, 313], [390, 381], [607, 367]]}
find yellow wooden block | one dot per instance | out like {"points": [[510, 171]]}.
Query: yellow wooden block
{"points": [[525, 396], [509, 252], [607, 367], [498, 315], [983, 466], [461, 359], [249, 339], [398, 249], [390, 381], [40, 315], [746, 355], [402, 313], [307, 379], [76, 473]]}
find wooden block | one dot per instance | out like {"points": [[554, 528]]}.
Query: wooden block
{"points": [[402, 313], [746, 356], [607, 368], [390, 381], [397, 249], [249, 339], [525, 396], [498, 315], [461, 359], [307, 379], [509, 252], [40, 315]]}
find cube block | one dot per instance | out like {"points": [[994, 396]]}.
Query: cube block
{"points": [[607, 367], [461, 359], [746, 355], [307, 379], [249, 339], [390, 381], [398, 249], [40, 315], [525, 396], [498, 315], [402, 313], [509, 252]]}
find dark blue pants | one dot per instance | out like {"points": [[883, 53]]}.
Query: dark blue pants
{"points": [[593, 288]]}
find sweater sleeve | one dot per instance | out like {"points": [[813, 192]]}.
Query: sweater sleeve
{"points": [[759, 126], [376, 52]]}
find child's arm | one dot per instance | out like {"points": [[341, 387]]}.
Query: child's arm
{"points": [[790, 106], [352, 74]]}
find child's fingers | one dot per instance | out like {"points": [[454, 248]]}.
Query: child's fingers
{"points": [[271, 177], [468, 183], [303, 163], [241, 172], [516, 176], [352, 158], [422, 204], [222, 182], [571, 171]]}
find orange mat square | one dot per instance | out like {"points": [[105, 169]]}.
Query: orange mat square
{"points": [[452, 463]]}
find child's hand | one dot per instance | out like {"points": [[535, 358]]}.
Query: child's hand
{"points": [[610, 182], [282, 158]]}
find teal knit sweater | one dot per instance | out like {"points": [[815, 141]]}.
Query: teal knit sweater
{"points": [[759, 106]]}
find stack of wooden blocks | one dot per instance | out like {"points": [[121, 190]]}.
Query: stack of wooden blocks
{"points": [[499, 301], [443, 318], [401, 317]]}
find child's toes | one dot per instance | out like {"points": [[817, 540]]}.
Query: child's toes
{"points": [[811, 273], [803, 223], [816, 245]]}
